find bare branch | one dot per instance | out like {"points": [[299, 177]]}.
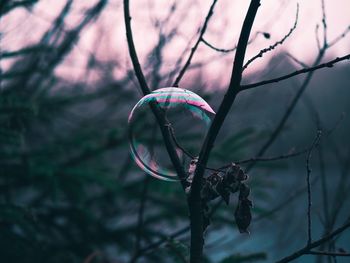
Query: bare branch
{"points": [[163, 123], [194, 48], [223, 50], [132, 50], [328, 64], [326, 253], [272, 47], [172, 132], [324, 23], [274, 158], [308, 171], [340, 37], [318, 42], [294, 101], [233, 89], [293, 58], [315, 244], [218, 49]]}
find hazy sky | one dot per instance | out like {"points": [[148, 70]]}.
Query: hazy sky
{"points": [[106, 37]]}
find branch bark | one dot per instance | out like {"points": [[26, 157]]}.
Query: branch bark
{"points": [[328, 64], [194, 49], [154, 106], [233, 89]]}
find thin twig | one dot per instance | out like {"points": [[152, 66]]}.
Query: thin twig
{"points": [[326, 253], [172, 132], [328, 64], [297, 193], [194, 48], [132, 50], [293, 58], [272, 47], [274, 158], [340, 37], [315, 244], [324, 23], [222, 50], [294, 101], [309, 201], [318, 42]]}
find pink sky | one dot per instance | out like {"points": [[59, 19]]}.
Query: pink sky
{"points": [[108, 33]]}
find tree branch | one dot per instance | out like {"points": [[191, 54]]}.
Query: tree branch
{"points": [[222, 50], [132, 50], [328, 64], [272, 47], [308, 175], [163, 124], [233, 89], [326, 253], [194, 49], [314, 244]]}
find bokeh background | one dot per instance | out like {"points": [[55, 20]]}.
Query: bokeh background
{"points": [[69, 190]]}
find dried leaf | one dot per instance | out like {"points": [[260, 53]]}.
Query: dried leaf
{"points": [[243, 214]]}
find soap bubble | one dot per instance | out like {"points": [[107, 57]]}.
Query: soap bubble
{"points": [[188, 117]]}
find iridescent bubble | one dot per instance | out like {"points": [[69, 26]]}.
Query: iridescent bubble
{"points": [[188, 117]]}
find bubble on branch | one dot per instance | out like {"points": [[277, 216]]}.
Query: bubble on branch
{"points": [[187, 118]]}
